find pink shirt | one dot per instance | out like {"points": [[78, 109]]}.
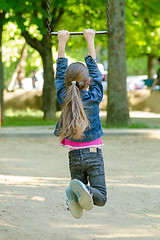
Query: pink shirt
{"points": [[77, 145]]}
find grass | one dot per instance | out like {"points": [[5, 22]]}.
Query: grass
{"points": [[29, 117], [15, 118], [132, 125]]}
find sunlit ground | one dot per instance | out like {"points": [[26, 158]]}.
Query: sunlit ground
{"points": [[141, 119], [137, 114], [34, 175], [27, 202]]}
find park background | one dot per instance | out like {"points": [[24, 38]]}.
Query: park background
{"points": [[34, 171], [26, 46]]}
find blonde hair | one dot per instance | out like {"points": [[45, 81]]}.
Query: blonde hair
{"points": [[73, 120]]}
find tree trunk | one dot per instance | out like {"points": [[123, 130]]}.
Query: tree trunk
{"points": [[2, 16], [19, 67], [151, 66], [44, 47], [117, 107], [49, 93]]}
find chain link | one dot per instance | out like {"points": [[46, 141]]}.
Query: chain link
{"points": [[48, 17], [108, 16]]}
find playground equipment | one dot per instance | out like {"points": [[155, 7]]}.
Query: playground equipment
{"points": [[78, 33]]}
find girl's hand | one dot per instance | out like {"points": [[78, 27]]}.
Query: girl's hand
{"points": [[89, 34], [63, 36]]}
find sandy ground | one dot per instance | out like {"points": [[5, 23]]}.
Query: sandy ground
{"points": [[34, 175]]}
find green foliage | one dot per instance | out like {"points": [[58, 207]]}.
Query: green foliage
{"points": [[11, 49], [81, 15], [33, 61], [143, 27], [32, 16], [137, 66]]}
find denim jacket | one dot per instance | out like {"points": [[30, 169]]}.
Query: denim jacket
{"points": [[90, 99]]}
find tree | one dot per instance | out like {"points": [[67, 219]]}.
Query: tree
{"points": [[2, 18], [31, 17], [40, 40], [19, 72], [117, 107], [143, 31]]}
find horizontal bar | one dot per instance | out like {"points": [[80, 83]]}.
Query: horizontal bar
{"points": [[80, 33]]}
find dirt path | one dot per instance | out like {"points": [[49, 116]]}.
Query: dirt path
{"points": [[34, 175]]}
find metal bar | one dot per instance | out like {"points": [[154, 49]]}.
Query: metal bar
{"points": [[80, 33]]}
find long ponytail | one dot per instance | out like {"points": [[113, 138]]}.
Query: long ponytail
{"points": [[73, 120]]}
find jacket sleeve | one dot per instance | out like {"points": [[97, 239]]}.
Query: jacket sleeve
{"points": [[96, 87], [62, 64]]}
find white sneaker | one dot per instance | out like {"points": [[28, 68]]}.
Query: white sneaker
{"points": [[73, 204], [82, 193]]}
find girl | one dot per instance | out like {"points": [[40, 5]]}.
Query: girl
{"points": [[79, 126]]}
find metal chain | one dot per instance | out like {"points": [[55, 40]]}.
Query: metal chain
{"points": [[108, 16], [48, 17], [49, 22]]}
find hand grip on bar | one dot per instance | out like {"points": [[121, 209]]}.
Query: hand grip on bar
{"points": [[80, 33]]}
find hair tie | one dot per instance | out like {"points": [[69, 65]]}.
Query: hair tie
{"points": [[73, 82]]}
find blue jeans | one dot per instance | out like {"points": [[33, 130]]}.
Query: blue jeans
{"points": [[85, 166]]}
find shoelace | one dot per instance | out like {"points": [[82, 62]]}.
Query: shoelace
{"points": [[67, 204]]}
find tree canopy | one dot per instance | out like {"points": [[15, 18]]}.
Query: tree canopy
{"points": [[142, 27]]}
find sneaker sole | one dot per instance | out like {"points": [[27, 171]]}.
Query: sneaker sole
{"points": [[84, 198], [74, 207]]}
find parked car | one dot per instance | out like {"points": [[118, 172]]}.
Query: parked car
{"points": [[104, 76], [135, 82]]}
